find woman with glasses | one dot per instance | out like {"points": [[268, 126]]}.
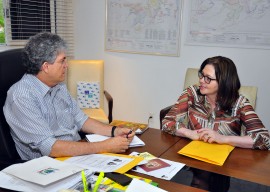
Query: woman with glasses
{"points": [[214, 112]]}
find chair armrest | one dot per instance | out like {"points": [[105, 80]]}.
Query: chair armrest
{"points": [[110, 105], [163, 113]]}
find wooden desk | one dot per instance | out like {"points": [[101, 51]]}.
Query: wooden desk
{"points": [[156, 142], [168, 185], [245, 164]]}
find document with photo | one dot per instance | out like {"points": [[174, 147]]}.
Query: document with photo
{"points": [[106, 162], [166, 170]]}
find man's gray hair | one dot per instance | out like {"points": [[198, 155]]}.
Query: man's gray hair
{"points": [[42, 47]]}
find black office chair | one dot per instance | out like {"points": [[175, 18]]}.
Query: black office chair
{"points": [[11, 71]]}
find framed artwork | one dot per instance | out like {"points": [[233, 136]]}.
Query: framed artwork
{"points": [[143, 27]]}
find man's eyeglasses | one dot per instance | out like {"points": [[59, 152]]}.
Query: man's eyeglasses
{"points": [[206, 79]]}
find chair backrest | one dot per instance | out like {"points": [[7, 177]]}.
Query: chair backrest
{"points": [[11, 71], [191, 77], [85, 71], [250, 92]]}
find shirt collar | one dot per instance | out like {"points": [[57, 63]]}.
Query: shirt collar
{"points": [[40, 86]]}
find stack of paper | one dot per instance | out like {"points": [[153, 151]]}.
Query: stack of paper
{"points": [[41, 174], [136, 142], [208, 152]]}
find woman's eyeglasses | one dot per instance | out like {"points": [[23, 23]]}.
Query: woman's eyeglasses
{"points": [[206, 79]]}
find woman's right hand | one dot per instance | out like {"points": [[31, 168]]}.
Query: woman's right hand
{"points": [[191, 134]]}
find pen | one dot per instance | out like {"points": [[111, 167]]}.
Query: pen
{"points": [[100, 178], [129, 132], [85, 185]]}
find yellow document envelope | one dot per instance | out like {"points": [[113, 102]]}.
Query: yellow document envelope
{"points": [[208, 152]]}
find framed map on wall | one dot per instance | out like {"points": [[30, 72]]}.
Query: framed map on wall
{"points": [[144, 27], [229, 23]]}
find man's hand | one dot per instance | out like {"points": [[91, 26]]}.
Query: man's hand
{"points": [[125, 132], [116, 144]]}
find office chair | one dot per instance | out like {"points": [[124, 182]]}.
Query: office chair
{"points": [[90, 71], [11, 71], [192, 78]]}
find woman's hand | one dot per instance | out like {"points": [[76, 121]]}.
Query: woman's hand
{"points": [[210, 136], [184, 132]]}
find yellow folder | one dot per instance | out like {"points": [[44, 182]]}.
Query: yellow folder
{"points": [[208, 152]]}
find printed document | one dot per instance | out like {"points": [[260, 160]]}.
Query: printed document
{"points": [[106, 162], [165, 173]]}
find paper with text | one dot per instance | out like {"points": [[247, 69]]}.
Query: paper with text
{"points": [[106, 162]]}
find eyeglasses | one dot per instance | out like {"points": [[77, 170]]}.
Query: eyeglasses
{"points": [[206, 79]]}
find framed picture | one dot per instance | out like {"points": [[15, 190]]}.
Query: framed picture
{"points": [[143, 27], [243, 24]]}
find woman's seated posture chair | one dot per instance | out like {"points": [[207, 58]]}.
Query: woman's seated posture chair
{"points": [[192, 78]]}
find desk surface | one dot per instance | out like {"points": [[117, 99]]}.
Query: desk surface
{"points": [[156, 142], [245, 164], [168, 185]]}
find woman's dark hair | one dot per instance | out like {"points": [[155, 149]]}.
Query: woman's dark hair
{"points": [[227, 78], [43, 47]]}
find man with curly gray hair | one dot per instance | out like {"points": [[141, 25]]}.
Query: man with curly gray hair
{"points": [[44, 118]]}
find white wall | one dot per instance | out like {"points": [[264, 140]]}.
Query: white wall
{"points": [[143, 84]]}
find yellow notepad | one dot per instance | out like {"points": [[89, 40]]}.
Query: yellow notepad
{"points": [[208, 152]]}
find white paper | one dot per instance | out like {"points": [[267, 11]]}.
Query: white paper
{"points": [[43, 170], [165, 173], [100, 162], [13, 183], [138, 185], [136, 142]]}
